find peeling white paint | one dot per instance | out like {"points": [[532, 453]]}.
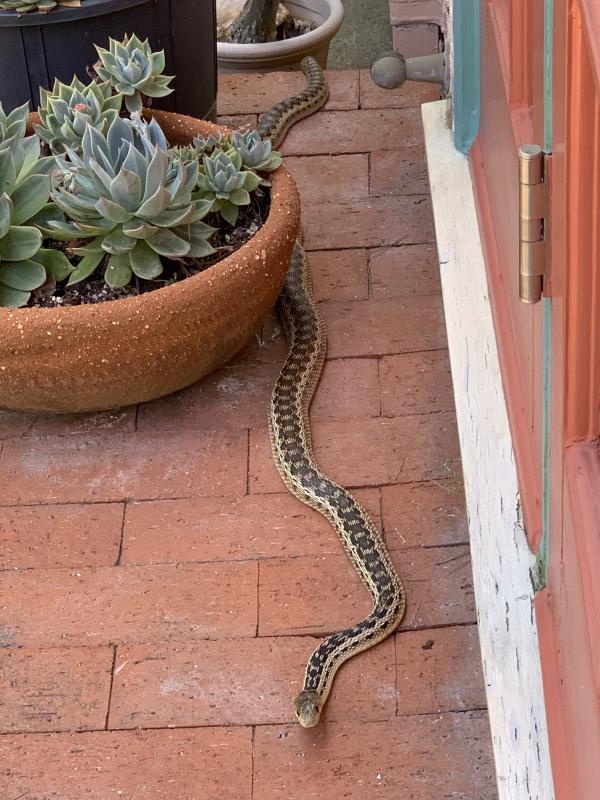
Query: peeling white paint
{"points": [[503, 566]]}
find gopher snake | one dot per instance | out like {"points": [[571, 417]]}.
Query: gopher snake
{"points": [[292, 445]]}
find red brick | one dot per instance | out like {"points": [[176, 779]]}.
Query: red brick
{"points": [[255, 93], [399, 273], [116, 467], [416, 383], [241, 682], [316, 596], [370, 452], [330, 178], [200, 764], [120, 421], [239, 122], [14, 423], [60, 536], [439, 670], [190, 602], [267, 346], [415, 11], [425, 514], [416, 40], [339, 274], [401, 171], [422, 758], [375, 222], [410, 95], [330, 132], [236, 528], [55, 689], [386, 327], [238, 396]]}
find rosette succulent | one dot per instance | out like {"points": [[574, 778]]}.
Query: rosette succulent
{"points": [[223, 181], [43, 6], [13, 125], [24, 192], [133, 200], [256, 153], [69, 108], [134, 71]]}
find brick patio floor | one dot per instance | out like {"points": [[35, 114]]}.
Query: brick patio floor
{"points": [[161, 591]]}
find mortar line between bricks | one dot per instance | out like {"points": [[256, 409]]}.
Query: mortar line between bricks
{"points": [[252, 743], [369, 176], [141, 500], [110, 687], [379, 387], [381, 246], [359, 82], [324, 634], [247, 493], [359, 152], [122, 536], [189, 643], [397, 692], [354, 487], [248, 560], [257, 598], [288, 723]]}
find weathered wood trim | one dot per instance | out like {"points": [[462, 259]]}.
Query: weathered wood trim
{"points": [[503, 567]]}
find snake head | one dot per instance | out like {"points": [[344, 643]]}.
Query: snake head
{"points": [[308, 708]]}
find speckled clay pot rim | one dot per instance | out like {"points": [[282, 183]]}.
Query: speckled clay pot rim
{"points": [[181, 129]]}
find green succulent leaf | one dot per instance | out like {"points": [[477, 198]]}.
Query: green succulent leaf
{"points": [[55, 262], [68, 109], [29, 198], [13, 298], [118, 271], [6, 207], [145, 262], [20, 243], [134, 71], [8, 171], [86, 267], [118, 242], [229, 212], [167, 243], [25, 275]]}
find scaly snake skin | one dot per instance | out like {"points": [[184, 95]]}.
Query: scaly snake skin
{"points": [[292, 445]]}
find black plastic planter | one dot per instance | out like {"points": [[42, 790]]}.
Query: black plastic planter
{"points": [[35, 48]]}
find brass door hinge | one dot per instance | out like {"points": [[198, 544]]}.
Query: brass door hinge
{"points": [[532, 222]]}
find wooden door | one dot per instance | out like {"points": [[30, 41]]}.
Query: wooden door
{"points": [[540, 83], [512, 114], [568, 609]]}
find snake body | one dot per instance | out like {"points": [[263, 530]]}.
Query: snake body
{"points": [[292, 445]]}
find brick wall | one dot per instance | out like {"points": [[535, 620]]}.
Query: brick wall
{"points": [[416, 25]]}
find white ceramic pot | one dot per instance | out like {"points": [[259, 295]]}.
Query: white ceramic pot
{"points": [[327, 15]]}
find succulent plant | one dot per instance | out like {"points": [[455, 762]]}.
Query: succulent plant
{"points": [[134, 70], [257, 154], [24, 192], [13, 125], [43, 6], [133, 200], [226, 184], [69, 108], [205, 145]]}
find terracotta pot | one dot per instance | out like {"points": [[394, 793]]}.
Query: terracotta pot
{"points": [[327, 16], [122, 352]]}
